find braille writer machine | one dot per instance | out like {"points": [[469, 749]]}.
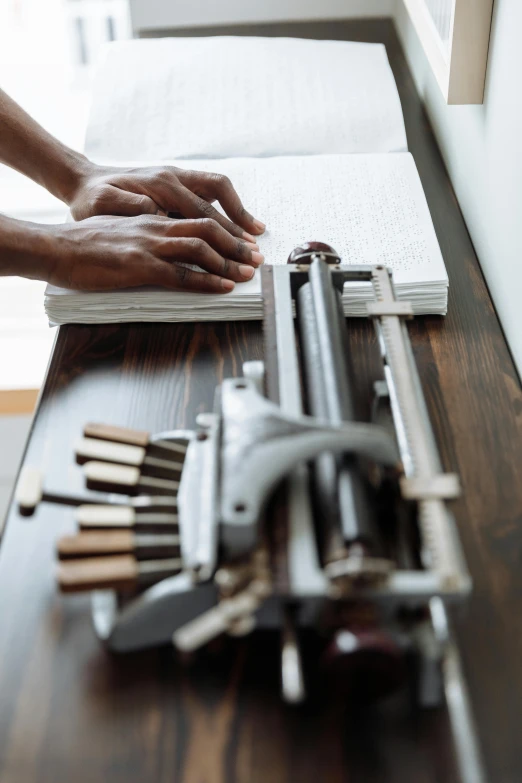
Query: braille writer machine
{"points": [[285, 509]]}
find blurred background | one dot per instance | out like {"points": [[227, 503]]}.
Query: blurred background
{"points": [[47, 50]]}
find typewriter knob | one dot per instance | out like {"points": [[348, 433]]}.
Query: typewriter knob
{"points": [[303, 253], [364, 665]]}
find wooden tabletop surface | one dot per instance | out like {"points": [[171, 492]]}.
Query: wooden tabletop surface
{"points": [[70, 711]]}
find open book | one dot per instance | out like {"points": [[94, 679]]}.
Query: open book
{"points": [[311, 134]]}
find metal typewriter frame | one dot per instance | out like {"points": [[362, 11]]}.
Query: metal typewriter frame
{"points": [[445, 577], [215, 520]]}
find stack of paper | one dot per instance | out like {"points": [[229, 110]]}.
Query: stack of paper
{"points": [[370, 208], [331, 114]]}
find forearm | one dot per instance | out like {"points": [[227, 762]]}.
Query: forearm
{"points": [[28, 148], [24, 249]]}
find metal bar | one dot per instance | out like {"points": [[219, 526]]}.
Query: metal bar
{"points": [[271, 379], [303, 562], [338, 405], [465, 740], [340, 488], [198, 501], [292, 677], [402, 588], [325, 472], [147, 545], [336, 393], [350, 273], [153, 568], [415, 437], [287, 363]]}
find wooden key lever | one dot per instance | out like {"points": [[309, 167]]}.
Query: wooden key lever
{"points": [[145, 509], [112, 573], [133, 438], [132, 516], [127, 479], [87, 449], [115, 542]]}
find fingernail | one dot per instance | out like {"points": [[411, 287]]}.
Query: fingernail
{"points": [[246, 271], [257, 258], [259, 225], [228, 285], [252, 245], [249, 237]]}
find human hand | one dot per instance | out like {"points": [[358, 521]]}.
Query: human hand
{"points": [[104, 253], [104, 190]]}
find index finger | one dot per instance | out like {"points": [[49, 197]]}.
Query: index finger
{"points": [[192, 206], [220, 187]]}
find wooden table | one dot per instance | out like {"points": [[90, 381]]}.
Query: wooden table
{"points": [[69, 711]]}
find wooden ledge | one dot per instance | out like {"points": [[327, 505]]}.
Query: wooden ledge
{"points": [[16, 401]]}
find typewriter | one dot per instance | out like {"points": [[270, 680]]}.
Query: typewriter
{"points": [[283, 509]]}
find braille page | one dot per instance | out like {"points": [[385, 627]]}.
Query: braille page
{"points": [[222, 97], [370, 208]]}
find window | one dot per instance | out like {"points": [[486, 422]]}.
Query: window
{"points": [[455, 37]]}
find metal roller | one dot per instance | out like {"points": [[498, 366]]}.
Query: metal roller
{"points": [[340, 494]]}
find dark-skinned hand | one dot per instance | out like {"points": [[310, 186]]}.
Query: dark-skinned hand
{"points": [[103, 253], [104, 190]]}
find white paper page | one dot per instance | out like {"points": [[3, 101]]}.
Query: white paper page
{"points": [[370, 208], [237, 96]]}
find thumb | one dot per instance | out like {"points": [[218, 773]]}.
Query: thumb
{"points": [[123, 202]]}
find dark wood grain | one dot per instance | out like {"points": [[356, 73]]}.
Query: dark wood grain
{"points": [[71, 712]]}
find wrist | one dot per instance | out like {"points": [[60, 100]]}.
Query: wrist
{"points": [[26, 249], [64, 174]]}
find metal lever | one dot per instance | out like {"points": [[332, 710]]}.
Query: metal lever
{"points": [[126, 478], [87, 449], [262, 444], [457, 699], [116, 542], [220, 618], [30, 492], [164, 441], [292, 679], [116, 572]]}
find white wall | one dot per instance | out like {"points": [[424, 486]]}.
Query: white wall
{"points": [[482, 148], [157, 14]]}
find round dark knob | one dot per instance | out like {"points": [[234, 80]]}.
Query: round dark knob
{"points": [[364, 665], [303, 253]]}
